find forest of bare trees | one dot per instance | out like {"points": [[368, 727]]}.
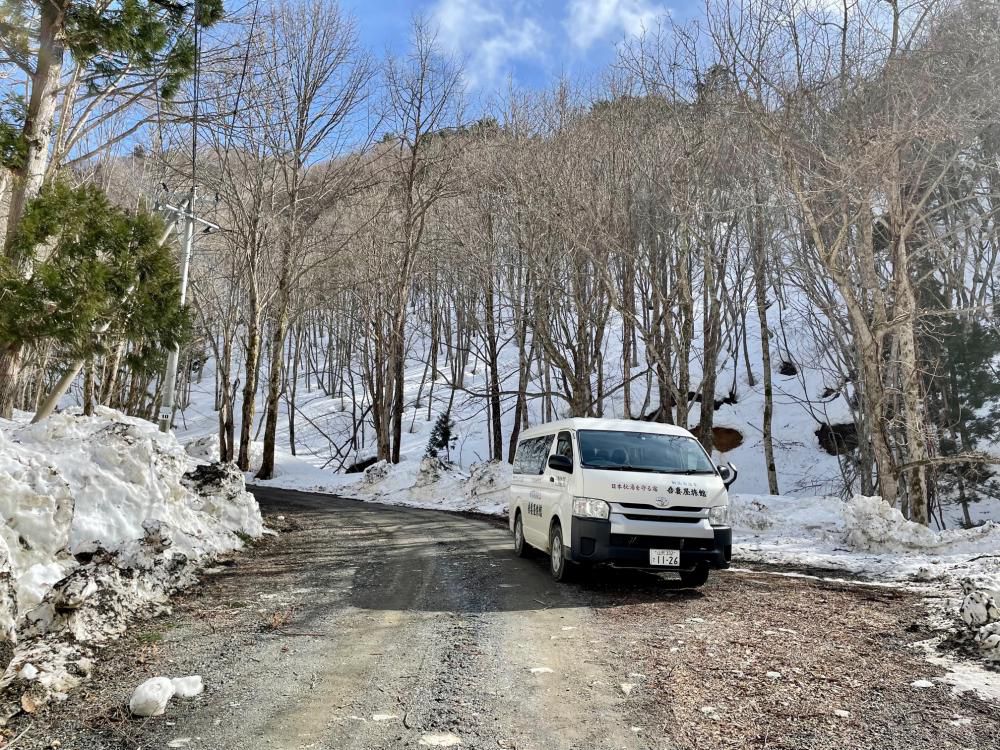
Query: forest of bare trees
{"points": [[592, 250]]}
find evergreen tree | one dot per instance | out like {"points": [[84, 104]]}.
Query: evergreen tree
{"points": [[124, 54], [103, 270], [119, 47], [442, 437]]}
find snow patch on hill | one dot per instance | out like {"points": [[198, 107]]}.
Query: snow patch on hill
{"points": [[100, 517]]}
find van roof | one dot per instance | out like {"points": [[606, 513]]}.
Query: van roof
{"points": [[613, 425]]}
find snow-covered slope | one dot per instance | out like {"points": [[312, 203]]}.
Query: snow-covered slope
{"points": [[803, 467], [810, 479]]}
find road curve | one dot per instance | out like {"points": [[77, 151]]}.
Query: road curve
{"points": [[372, 626]]}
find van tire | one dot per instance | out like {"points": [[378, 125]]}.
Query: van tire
{"points": [[695, 578], [521, 548], [558, 566]]}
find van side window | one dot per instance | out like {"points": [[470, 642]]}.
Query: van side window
{"points": [[531, 455], [564, 445], [522, 457]]}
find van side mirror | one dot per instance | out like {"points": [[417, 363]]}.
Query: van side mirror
{"points": [[561, 463], [728, 474]]}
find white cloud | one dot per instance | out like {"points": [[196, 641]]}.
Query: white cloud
{"points": [[489, 38], [590, 20]]}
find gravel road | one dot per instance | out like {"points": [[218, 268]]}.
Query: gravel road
{"points": [[366, 626]]}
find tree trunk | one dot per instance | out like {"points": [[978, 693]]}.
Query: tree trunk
{"points": [[760, 297], [38, 121], [524, 357], [226, 421], [249, 405], [109, 385], [293, 387], [88, 387], [913, 409], [397, 373], [10, 368], [493, 366], [6, 181], [274, 382]]}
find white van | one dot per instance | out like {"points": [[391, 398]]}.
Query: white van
{"points": [[629, 493]]}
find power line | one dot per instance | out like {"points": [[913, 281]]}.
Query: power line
{"points": [[196, 93]]}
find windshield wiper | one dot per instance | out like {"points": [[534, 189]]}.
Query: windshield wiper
{"points": [[688, 472]]}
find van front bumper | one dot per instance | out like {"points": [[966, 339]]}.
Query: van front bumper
{"points": [[593, 542]]}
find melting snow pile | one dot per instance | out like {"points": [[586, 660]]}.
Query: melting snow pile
{"points": [[980, 611], [206, 449], [434, 483], [153, 695], [863, 535], [100, 518]]}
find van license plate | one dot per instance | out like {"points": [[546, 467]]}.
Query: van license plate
{"points": [[669, 558]]}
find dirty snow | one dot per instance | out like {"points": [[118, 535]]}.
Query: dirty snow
{"points": [[440, 739], [188, 687], [100, 518], [429, 483], [862, 536]]}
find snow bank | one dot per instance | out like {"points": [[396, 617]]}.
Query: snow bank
{"points": [[100, 518], [435, 484], [873, 525], [863, 535]]}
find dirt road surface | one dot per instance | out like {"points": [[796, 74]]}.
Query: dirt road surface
{"points": [[364, 626]]}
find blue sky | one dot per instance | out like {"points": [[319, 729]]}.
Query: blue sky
{"points": [[534, 41]]}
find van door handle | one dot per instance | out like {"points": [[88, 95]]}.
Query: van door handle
{"points": [[552, 479]]}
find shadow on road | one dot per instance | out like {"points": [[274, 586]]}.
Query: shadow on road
{"points": [[406, 559]]}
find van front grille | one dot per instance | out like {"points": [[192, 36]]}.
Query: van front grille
{"points": [[661, 519], [644, 506]]}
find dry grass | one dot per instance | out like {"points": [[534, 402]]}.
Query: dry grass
{"points": [[838, 648], [279, 619]]}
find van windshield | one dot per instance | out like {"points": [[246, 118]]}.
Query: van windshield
{"points": [[642, 451]]}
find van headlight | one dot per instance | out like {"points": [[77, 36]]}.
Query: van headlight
{"points": [[719, 515], [588, 507]]}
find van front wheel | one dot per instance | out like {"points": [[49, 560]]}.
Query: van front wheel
{"points": [[520, 548], [695, 578], [557, 554]]}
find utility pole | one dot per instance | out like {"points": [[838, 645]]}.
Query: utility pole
{"points": [[170, 379], [186, 212]]}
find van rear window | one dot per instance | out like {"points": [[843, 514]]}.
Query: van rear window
{"points": [[532, 454], [642, 451]]}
